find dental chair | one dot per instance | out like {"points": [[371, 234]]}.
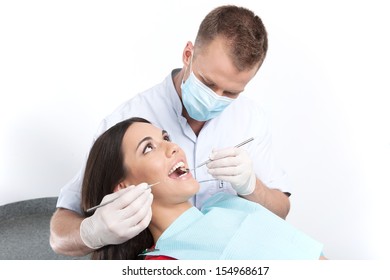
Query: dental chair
{"points": [[25, 230]]}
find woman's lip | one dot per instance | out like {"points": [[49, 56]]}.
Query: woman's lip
{"points": [[187, 176]]}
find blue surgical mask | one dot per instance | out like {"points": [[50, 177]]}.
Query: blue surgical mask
{"points": [[201, 102]]}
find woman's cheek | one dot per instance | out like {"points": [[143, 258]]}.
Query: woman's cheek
{"points": [[150, 172]]}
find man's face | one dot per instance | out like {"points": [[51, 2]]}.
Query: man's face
{"points": [[213, 67]]}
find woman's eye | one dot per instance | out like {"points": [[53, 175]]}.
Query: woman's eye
{"points": [[148, 148], [167, 138]]}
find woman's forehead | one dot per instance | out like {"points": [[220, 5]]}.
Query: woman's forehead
{"points": [[138, 131]]}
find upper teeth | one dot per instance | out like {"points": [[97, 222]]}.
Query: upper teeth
{"points": [[176, 166]]}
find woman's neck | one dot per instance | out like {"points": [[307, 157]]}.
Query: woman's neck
{"points": [[164, 216]]}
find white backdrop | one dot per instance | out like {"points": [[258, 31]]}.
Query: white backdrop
{"points": [[64, 65]]}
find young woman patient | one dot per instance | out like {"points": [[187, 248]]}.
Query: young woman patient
{"points": [[227, 227]]}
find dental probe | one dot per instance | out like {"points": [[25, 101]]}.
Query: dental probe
{"points": [[237, 146], [112, 200]]}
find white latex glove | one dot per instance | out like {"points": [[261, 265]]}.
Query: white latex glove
{"points": [[119, 220], [235, 166]]}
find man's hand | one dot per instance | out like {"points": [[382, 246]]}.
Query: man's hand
{"points": [[235, 166], [120, 220]]}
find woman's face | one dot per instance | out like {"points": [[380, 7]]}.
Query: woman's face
{"points": [[150, 157]]}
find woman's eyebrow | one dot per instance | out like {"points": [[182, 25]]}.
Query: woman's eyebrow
{"points": [[148, 138]]}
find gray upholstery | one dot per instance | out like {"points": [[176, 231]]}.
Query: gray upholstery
{"points": [[25, 230]]}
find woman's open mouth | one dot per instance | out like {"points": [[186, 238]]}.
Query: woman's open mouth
{"points": [[178, 170]]}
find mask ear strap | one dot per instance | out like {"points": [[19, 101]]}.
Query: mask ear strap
{"points": [[192, 56]]}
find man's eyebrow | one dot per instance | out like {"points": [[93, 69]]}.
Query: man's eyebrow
{"points": [[206, 79], [210, 81], [163, 132], [148, 138]]}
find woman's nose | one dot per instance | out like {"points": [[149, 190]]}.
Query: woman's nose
{"points": [[172, 149]]}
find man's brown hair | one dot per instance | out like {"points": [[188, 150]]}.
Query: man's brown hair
{"points": [[244, 32]]}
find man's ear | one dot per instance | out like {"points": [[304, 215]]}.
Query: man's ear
{"points": [[120, 186], [187, 53]]}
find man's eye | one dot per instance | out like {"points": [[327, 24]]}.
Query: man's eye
{"points": [[167, 138], [210, 85], [231, 95]]}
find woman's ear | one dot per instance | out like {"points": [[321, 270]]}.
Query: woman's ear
{"points": [[120, 186]]}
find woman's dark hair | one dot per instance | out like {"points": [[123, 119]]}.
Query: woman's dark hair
{"points": [[104, 171]]}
